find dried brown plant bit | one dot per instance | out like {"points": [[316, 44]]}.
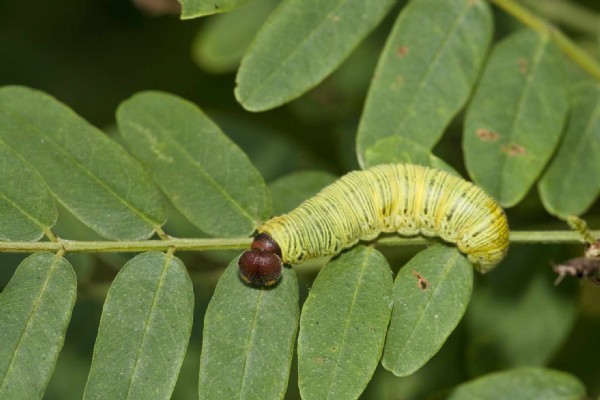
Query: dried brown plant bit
{"points": [[593, 250], [158, 7], [580, 267], [422, 283]]}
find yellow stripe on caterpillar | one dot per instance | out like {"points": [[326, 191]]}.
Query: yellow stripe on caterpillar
{"points": [[403, 198]]}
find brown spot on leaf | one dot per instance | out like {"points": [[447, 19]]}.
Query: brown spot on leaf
{"points": [[487, 135], [335, 18], [401, 51], [513, 149], [421, 282], [523, 65]]}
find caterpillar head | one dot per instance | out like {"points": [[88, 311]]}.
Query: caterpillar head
{"points": [[262, 265]]}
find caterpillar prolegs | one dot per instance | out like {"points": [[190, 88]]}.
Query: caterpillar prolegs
{"points": [[403, 198]]}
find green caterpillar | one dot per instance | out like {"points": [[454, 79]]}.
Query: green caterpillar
{"points": [[403, 198]]}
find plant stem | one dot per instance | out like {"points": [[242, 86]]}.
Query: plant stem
{"points": [[50, 235], [574, 52], [579, 225], [72, 246], [516, 237], [567, 13], [161, 234]]}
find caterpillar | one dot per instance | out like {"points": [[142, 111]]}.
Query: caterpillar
{"points": [[403, 198]]}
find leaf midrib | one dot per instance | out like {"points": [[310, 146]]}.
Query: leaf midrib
{"points": [[296, 49], [346, 323], [31, 315], [516, 117], [159, 286], [80, 166], [434, 62], [182, 150], [250, 342], [579, 146], [448, 268], [26, 214]]}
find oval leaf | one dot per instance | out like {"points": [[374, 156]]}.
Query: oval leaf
{"points": [[425, 72], [248, 338], [299, 45], [515, 119], [343, 325], [522, 384], [26, 208], [144, 330], [398, 149], [85, 170], [206, 176], [223, 39], [431, 294], [506, 328], [571, 185], [198, 8], [35, 308], [291, 190]]}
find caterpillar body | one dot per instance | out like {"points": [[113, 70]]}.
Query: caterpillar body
{"points": [[403, 198]]}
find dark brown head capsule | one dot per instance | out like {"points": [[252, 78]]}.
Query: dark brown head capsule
{"points": [[261, 266]]}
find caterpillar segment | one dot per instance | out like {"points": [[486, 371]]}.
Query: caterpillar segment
{"points": [[403, 198]]}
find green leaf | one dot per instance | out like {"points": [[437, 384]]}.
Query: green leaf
{"points": [[398, 149], [35, 308], [571, 185], [206, 176], [198, 8], [522, 384], [248, 338], [26, 207], [300, 44], [144, 330], [515, 119], [343, 325], [85, 170], [505, 325], [431, 294], [438, 374], [425, 72], [291, 190], [223, 39]]}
